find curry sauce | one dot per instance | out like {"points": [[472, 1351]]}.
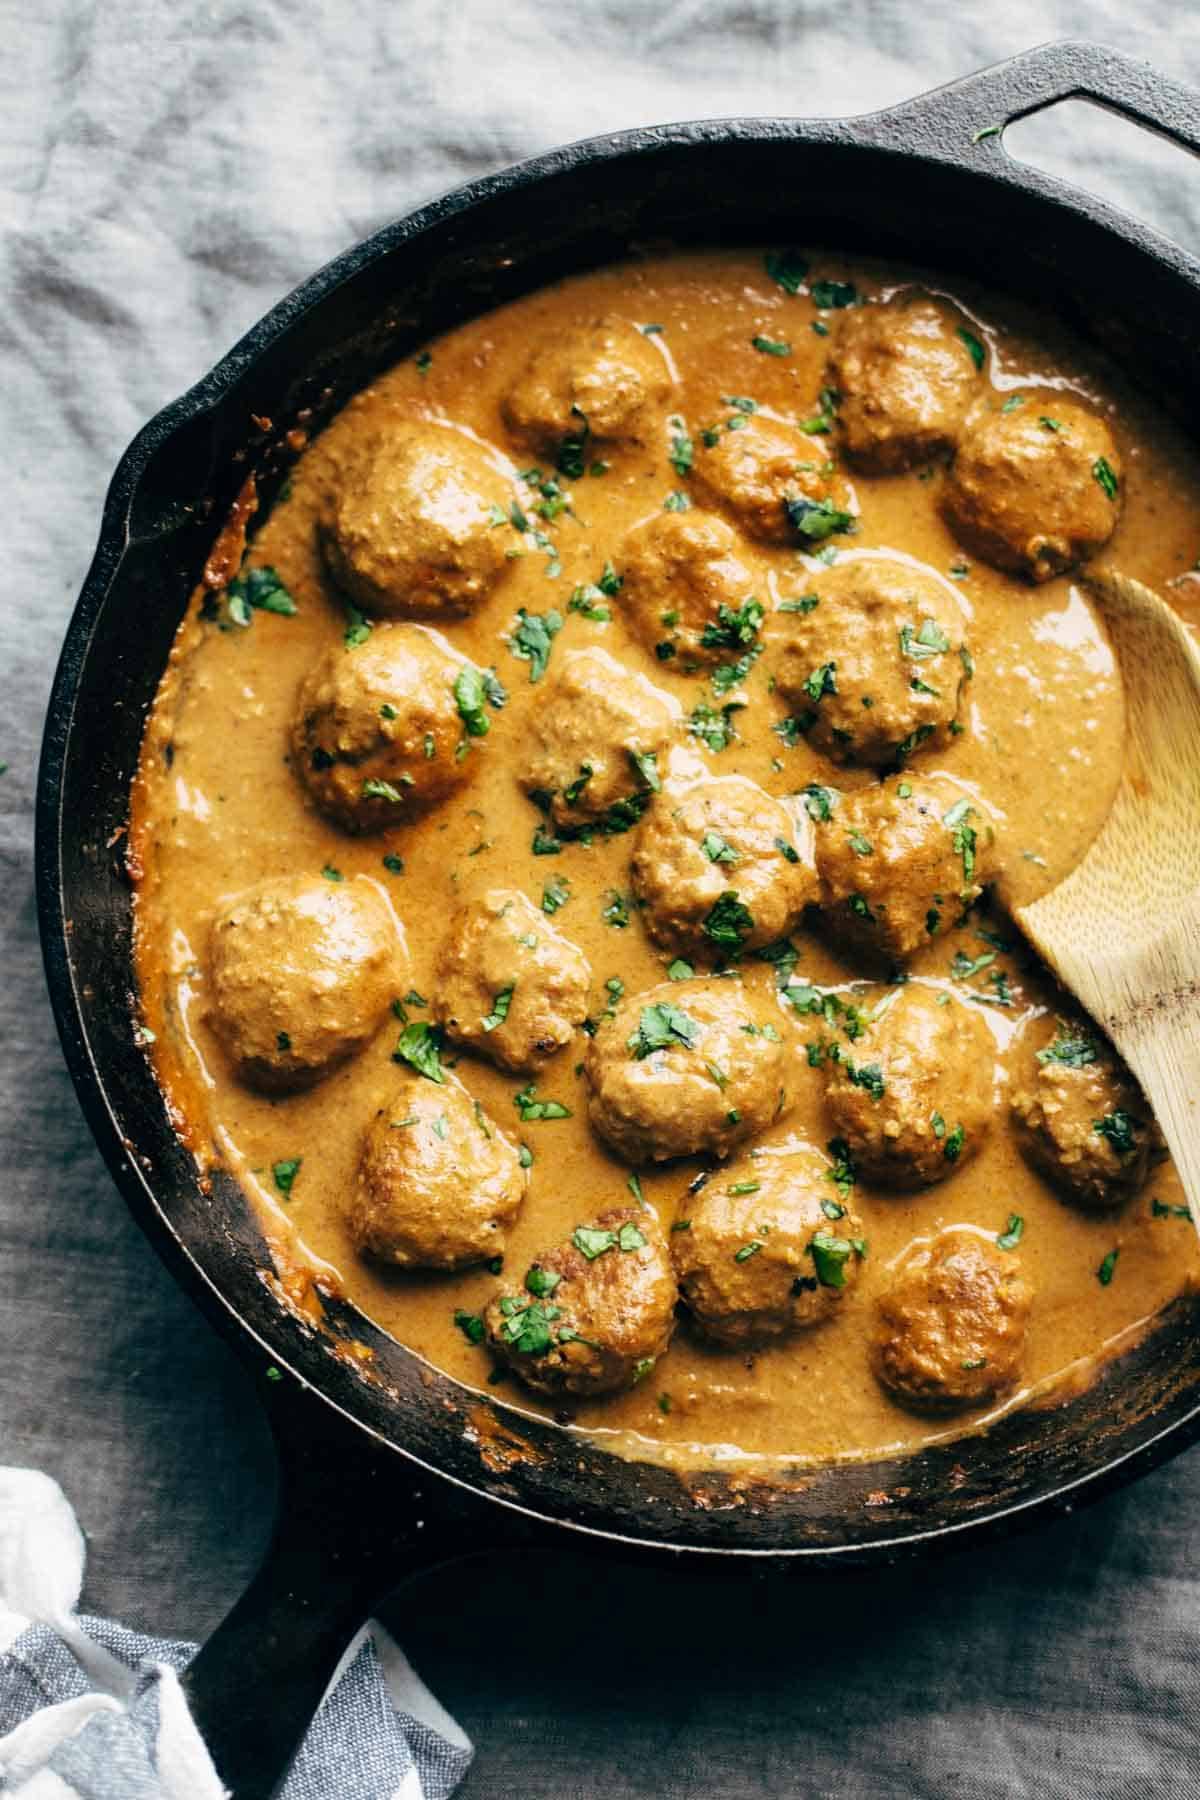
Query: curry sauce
{"points": [[218, 807]]}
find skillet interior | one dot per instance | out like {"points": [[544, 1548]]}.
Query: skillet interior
{"points": [[841, 185]]}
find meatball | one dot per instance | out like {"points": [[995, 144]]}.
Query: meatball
{"points": [[410, 529], [378, 733], [952, 1323], [688, 591], [875, 669], [438, 1182], [603, 381], [723, 835], [914, 1095], [900, 862], [509, 984], [595, 1313], [769, 475], [905, 377], [302, 971], [1035, 490], [598, 738], [1080, 1116], [688, 1068], [766, 1248]]}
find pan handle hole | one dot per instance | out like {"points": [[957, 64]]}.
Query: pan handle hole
{"points": [[1128, 165]]}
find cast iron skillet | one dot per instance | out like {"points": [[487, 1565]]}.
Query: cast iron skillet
{"points": [[387, 1465]]}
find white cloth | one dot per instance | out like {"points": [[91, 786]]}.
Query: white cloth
{"points": [[90, 1711]]}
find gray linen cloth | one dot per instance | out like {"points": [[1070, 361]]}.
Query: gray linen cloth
{"points": [[166, 172]]}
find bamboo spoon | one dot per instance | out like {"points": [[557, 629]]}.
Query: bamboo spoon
{"points": [[1122, 932]]}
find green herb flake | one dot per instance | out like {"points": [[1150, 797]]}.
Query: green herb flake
{"points": [[788, 268], [332, 874], [469, 696], [532, 639], [471, 1326], [771, 346], [1119, 1128], [1102, 469], [715, 849], [634, 1184], [728, 921], [374, 789], [393, 864], [974, 348], [680, 970], [662, 1026], [284, 1174], [555, 894], [1011, 1236], [747, 1251], [1072, 1051], [500, 1005], [830, 1255], [258, 590], [828, 295], [419, 1046], [819, 802], [816, 520], [358, 628], [531, 1109], [1107, 1269]]}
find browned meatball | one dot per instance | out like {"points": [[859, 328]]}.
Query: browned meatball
{"points": [[509, 984], [900, 862], [595, 1313], [905, 377], [772, 481], [766, 1247], [875, 670], [714, 837], [1080, 1116], [438, 1182], [415, 525], [1035, 490], [688, 592], [952, 1323], [605, 380], [378, 732], [600, 738], [689, 1068], [914, 1096], [301, 971]]}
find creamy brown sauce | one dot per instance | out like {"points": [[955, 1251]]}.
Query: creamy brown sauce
{"points": [[217, 807]]}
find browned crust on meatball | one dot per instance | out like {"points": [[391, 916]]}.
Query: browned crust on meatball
{"points": [[1029, 488], [951, 1330], [438, 1182], [914, 1097], [1084, 1124], [606, 1318], [904, 377], [510, 985], [744, 1248]]}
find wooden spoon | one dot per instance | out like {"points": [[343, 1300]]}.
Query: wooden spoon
{"points": [[1122, 932]]}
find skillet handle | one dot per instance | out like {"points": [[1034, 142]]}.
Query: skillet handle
{"points": [[353, 1521], [963, 121]]}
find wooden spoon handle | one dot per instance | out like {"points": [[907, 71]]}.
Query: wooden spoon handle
{"points": [[1159, 1038]]}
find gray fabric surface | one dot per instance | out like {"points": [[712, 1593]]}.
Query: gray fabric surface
{"points": [[166, 171]]}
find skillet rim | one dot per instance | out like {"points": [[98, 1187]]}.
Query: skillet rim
{"points": [[877, 132]]}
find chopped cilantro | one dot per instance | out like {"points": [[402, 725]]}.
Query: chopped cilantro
{"points": [[819, 801], [680, 970], [259, 589], [728, 921], [788, 268], [555, 893], [532, 639], [976, 350], [284, 1174], [471, 1326], [1119, 1128], [1107, 1269], [830, 294], [816, 520], [662, 1026], [1102, 469], [1011, 1236], [500, 1005], [716, 849], [771, 346], [830, 1255], [531, 1108], [1074, 1052], [419, 1047], [927, 640]]}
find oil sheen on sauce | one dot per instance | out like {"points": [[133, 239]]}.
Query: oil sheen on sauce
{"points": [[217, 808]]}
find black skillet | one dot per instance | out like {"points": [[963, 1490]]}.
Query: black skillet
{"points": [[390, 1468]]}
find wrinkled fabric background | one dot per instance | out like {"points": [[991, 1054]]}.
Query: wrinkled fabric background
{"points": [[166, 172]]}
